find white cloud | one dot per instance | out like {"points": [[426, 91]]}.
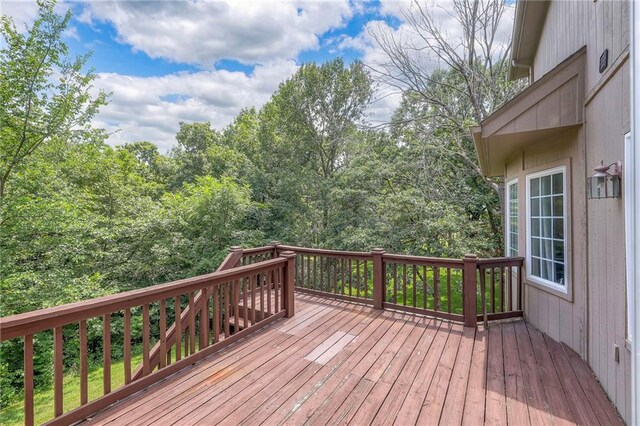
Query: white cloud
{"points": [[203, 32], [150, 108], [24, 12]]}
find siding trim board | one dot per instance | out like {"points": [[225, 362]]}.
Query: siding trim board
{"points": [[549, 106]]}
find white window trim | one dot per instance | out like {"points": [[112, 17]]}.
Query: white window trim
{"points": [[629, 171], [564, 289], [507, 216]]}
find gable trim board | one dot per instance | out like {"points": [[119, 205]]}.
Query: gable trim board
{"points": [[549, 106]]}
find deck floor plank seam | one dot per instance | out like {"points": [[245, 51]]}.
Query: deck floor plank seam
{"points": [[337, 362]]}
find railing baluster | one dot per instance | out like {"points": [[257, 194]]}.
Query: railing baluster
{"points": [[261, 281], [308, 271], [204, 319], [245, 290], [28, 380], [227, 300], [366, 278], [395, 284], [415, 285], [358, 278], [106, 354], [126, 346], [177, 309], [216, 314], [84, 368], [268, 277], [350, 272], [236, 305], [520, 290], [343, 275], [146, 368], [502, 272], [424, 287], [322, 286], [315, 270], [192, 324], [493, 290], [57, 371], [404, 284], [436, 288], [449, 290], [483, 294], [163, 333], [334, 285], [253, 299]]}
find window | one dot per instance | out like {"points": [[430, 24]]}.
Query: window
{"points": [[547, 228], [511, 224]]}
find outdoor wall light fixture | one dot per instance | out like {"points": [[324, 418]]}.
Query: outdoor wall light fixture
{"points": [[605, 183]]}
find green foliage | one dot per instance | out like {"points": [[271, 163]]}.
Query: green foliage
{"points": [[44, 94], [82, 219]]}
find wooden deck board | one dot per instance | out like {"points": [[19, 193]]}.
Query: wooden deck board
{"points": [[341, 363]]}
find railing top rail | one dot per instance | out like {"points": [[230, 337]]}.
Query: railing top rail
{"points": [[45, 319], [501, 261], [325, 252], [255, 250], [435, 261]]}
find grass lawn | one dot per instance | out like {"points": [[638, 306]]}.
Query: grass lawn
{"points": [[13, 414]]}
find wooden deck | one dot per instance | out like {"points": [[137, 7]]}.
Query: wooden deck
{"points": [[336, 362]]}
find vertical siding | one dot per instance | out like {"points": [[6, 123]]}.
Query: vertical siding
{"points": [[561, 319], [571, 24], [606, 126], [591, 328]]}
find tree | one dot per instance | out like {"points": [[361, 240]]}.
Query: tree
{"points": [[477, 79], [316, 112], [44, 93]]}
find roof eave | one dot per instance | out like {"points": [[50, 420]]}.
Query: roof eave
{"points": [[529, 21]]}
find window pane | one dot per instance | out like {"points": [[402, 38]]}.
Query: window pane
{"points": [[545, 186], [535, 267], [557, 183], [546, 269], [545, 206], [546, 249], [535, 227], [535, 207], [546, 227], [559, 273], [535, 247], [558, 228], [558, 251], [557, 206], [535, 187]]}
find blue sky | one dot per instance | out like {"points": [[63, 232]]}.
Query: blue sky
{"points": [[172, 61]]}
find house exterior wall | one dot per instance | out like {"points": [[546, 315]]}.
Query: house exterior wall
{"points": [[607, 116], [594, 320], [571, 24], [561, 317]]}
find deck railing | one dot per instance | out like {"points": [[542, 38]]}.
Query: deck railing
{"points": [[233, 303], [252, 288], [466, 290]]}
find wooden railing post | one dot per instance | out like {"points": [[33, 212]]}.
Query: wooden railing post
{"points": [[378, 278], [288, 282], [469, 288], [275, 245]]}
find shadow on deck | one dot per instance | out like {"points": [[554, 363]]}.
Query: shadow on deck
{"points": [[337, 362]]}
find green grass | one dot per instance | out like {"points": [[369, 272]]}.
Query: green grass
{"points": [[342, 287], [13, 414]]}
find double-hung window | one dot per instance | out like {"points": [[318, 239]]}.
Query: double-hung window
{"points": [[547, 228], [511, 203]]}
